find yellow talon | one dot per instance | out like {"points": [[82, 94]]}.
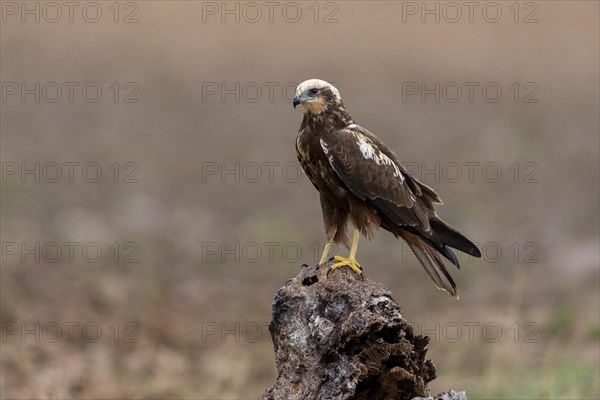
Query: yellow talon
{"points": [[347, 262]]}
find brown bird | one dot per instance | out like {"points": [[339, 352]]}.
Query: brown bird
{"points": [[360, 179]]}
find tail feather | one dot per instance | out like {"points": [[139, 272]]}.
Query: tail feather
{"points": [[439, 246], [433, 264], [449, 254], [453, 238]]}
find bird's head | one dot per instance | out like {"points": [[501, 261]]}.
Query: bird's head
{"points": [[316, 96]]}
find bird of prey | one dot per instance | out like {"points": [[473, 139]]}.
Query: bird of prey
{"points": [[360, 179]]}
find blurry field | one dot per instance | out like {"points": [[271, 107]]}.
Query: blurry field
{"points": [[200, 214]]}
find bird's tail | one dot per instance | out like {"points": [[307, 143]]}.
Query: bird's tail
{"points": [[453, 238], [432, 262]]}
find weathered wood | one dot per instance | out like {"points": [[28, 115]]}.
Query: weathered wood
{"points": [[338, 337]]}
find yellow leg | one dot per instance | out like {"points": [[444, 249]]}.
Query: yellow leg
{"points": [[325, 253], [354, 244], [351, 260]]}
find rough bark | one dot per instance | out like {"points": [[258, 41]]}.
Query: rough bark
{"points": [[338, 337]]}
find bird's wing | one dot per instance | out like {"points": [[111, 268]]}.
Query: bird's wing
{"points": [[369, 170]]}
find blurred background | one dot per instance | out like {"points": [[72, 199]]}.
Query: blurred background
{"points": [[152, 204]]}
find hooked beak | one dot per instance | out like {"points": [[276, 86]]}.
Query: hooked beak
{"points": [[297, 100]]}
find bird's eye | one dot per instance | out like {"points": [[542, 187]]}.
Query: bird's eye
{"points": [[313, 91]]}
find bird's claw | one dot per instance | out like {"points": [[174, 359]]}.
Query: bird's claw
{"points": [[346, 262]]}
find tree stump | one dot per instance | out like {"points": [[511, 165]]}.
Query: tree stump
{"points": [[338, 337]]}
